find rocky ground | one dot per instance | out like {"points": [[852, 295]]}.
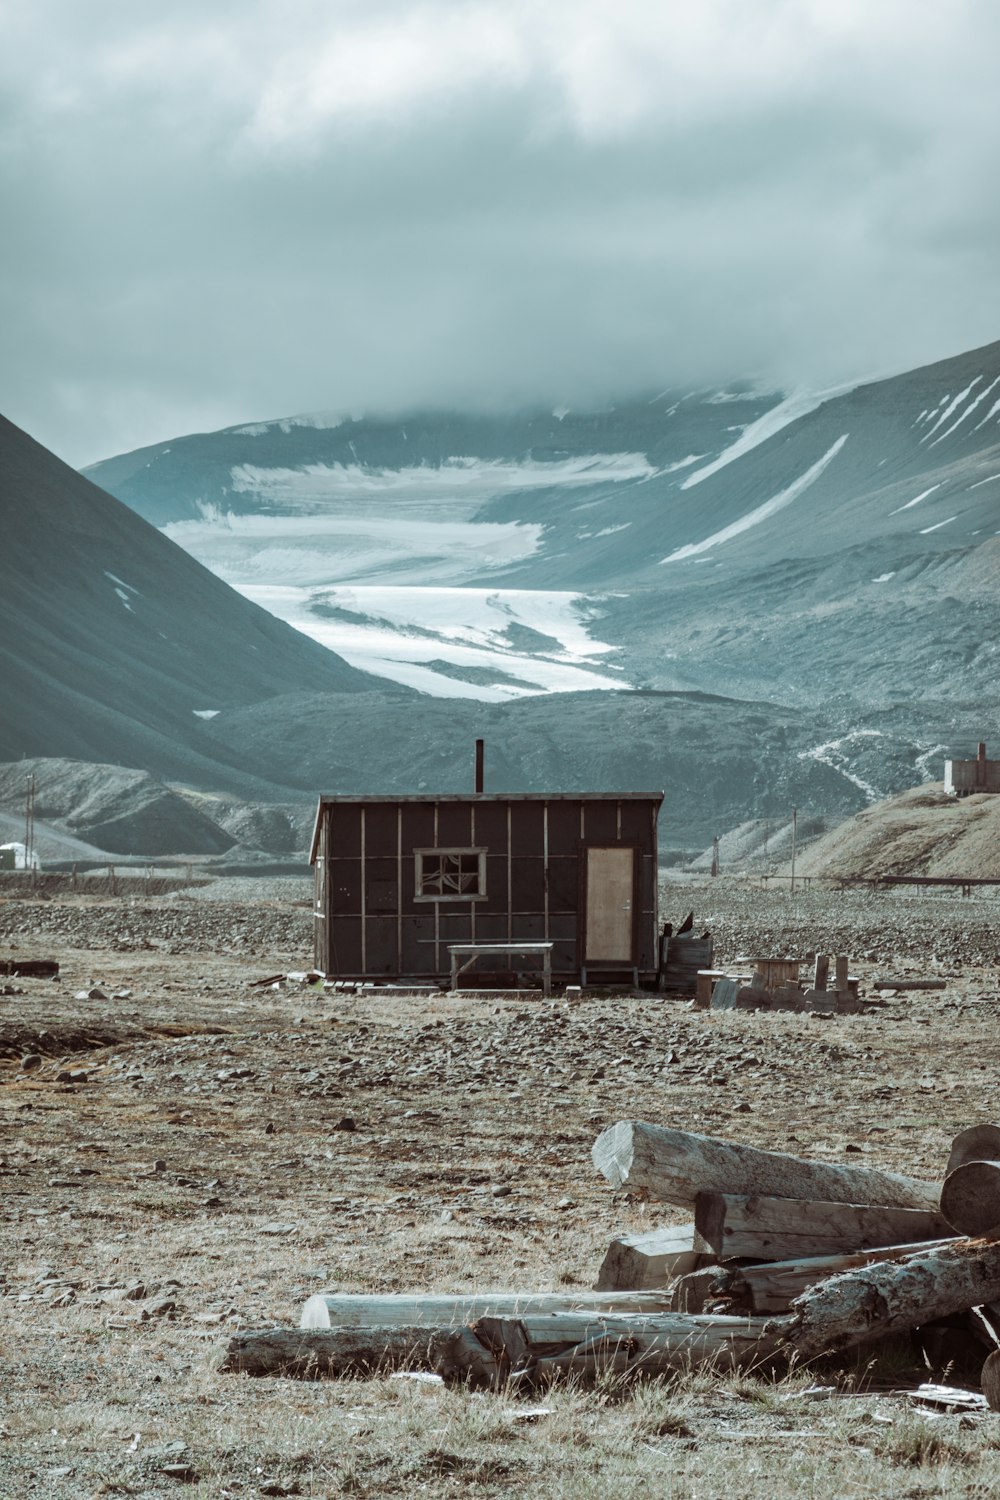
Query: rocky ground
{"points": [[184, 1152]]}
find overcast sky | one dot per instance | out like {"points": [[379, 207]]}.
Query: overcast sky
{"points": [[222, 210]]}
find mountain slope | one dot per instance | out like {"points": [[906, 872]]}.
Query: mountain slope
{"points": [[113, 640]]}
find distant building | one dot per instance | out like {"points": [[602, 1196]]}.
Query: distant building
{"points": [[964, 778], [399, 878]]}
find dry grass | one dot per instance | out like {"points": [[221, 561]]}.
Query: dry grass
{"points": [[94, 1401]]}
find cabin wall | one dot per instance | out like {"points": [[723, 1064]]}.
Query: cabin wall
{"points": [[371, 923]]}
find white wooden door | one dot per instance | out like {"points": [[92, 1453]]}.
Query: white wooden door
{"points": [[609, 915]]}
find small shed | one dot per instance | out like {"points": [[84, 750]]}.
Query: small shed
{"points": [[964, 778], [399, 878]]}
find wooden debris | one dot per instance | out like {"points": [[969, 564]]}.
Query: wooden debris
{"points": [[675, 1165], [641, 1261], [768, 1228], [838, 1313]]}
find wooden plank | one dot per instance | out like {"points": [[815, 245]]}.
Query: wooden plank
{"points": [[764, 1228], [644, 1261], [610, 889], [677, 1165]]}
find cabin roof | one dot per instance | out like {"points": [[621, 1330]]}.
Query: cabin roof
{"points": [[331, 799]]}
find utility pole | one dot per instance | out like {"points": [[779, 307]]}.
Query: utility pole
{"points": [[795, 820], [29, 824]]}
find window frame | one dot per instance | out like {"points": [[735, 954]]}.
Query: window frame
{"points": [[419, 855]]}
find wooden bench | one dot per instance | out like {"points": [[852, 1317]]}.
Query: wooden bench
{"points": [[485, 950]]}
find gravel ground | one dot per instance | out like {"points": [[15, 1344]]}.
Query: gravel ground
{"points": [[187, 1154]]}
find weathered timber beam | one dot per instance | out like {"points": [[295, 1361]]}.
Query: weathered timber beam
{"points": [[767, 1228], [645, 1261], [675, 1165], [348, 1310]]}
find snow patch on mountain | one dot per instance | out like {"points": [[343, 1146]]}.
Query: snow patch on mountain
{"points": [[473, 480], [399, 632], [915, 501], [789, 410], [762, 512]]}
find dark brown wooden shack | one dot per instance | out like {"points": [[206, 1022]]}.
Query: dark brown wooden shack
{"points": [[399, 878]]}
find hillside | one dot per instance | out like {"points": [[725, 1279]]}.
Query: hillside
{"points": [[922, 832], [115, 644]]}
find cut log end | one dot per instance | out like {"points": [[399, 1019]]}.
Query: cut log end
{"points": [[970, 1198]]}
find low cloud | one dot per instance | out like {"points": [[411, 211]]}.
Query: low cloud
{"points": [[243, 210]]}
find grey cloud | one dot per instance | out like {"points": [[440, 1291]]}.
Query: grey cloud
{"points": [[198, 235]]}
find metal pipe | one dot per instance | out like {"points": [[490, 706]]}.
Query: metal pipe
{"points": [[479, 765]]}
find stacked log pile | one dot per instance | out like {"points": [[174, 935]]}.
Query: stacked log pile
{"points": [[783, 1260]]}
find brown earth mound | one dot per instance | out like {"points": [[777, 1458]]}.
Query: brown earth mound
{"points": [[922, 832]]}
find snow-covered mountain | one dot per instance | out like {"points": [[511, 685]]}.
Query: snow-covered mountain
{"points": [[815, 575], [787, 547], [389, 540]]}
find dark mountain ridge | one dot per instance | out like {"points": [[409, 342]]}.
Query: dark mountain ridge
{"points": [[113, 639]]}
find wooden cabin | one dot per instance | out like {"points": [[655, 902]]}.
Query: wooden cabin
{"points": [[398, 879]]}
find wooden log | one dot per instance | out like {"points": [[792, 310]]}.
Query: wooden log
{"points": [[310, 1354], [989, 1379], [839, 1313], [675, 1165], [640, 1262], [762, 1228], [970, 1198], [334, 1310], [774, 1286], [978, 1143], [911, 984]]}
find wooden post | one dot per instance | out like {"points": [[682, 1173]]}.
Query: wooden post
{"points": [[676, 1166], [822, 971], [840, 983]]}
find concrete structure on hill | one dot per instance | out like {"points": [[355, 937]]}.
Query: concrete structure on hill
{"points": [[400, 878], [964, 778]]}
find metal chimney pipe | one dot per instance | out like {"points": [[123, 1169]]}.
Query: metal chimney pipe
{"points": [[982, 750], [479, 766]]}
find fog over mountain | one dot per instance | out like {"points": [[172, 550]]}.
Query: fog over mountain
{"points": [[218, 213]]}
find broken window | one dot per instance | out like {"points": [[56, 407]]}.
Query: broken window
{"points": [[450, 874]]}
